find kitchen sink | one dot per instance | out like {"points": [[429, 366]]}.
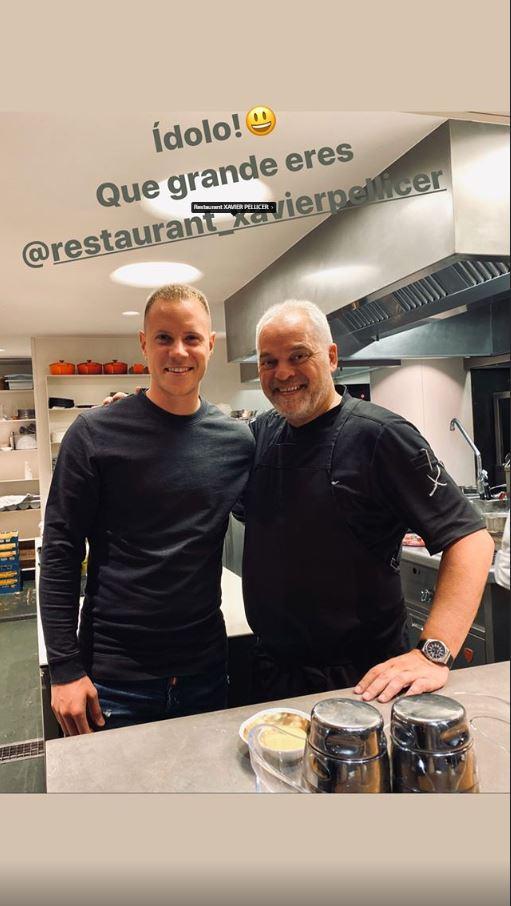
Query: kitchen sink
{"points": [[494, 513], [490, 507]]}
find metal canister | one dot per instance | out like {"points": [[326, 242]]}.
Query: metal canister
{"points": [[432, 748], [346, 749]]}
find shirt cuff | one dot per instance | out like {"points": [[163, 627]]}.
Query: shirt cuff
{"points": [[66, 671], [440, 544]]}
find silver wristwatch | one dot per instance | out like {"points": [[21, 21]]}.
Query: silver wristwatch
{"points": [[436, 651]]}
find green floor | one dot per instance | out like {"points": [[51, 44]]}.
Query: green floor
{"points": [[20, 697]]}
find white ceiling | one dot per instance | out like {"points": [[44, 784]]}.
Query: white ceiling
{"points": [[52, 164]]}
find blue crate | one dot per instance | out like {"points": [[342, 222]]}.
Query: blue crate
{"points": [[10, 589]]}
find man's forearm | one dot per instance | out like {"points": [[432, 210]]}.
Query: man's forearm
{"points": [[59, 595], [462, 576], [71, 511]]}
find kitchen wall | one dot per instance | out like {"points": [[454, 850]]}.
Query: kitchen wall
{"points": [[428, 393], [222, 383]]}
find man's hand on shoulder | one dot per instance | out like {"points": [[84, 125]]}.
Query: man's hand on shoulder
{"points": [[119, 396], [411, 671], [73, 703], [116, 396]]}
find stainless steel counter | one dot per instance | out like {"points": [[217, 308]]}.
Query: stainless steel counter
{"points": [[203, 753], [421, 557]]}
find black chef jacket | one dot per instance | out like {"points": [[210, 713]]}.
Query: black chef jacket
{"points": [[326, 508]]}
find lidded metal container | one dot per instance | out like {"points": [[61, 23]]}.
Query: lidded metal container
{"points": [[432, 748], [346, 749]]}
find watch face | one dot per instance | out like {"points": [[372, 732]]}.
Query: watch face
{"points": [[435, 650]]}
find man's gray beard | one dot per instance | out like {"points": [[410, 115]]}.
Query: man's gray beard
{"points": [[300, 411]]}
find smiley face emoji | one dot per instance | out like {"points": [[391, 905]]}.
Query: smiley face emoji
{"points": [[261, 120]]}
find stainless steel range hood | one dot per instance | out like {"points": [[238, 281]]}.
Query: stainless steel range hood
{"points": [[378, 269]]}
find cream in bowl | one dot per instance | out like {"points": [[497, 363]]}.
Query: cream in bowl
{"points": [[283, 731]]}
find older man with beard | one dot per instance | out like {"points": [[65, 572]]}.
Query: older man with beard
{"points": [[335, 485]]}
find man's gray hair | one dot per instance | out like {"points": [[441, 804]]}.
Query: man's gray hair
{"points": [[292, 306]]}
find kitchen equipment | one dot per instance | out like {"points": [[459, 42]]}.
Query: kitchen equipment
{"points": [[495, 525], [489, 718], [483, 487], [275, 771], [501, 420], [115, 367], [62, 367], [287, 719], [346, 750], [244, 414], [25, 413], [507, 469], [411, 539], [25, 442], [139, 368], [432, 746], [19, 502], [60, 402], [494, 513], [21, 385], [20, 381], [89, 367]]}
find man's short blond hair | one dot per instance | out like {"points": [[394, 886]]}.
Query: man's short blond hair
{"points": [[175, 292]]}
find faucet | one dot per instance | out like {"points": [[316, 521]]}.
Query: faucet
{"points": [[483, 486]]}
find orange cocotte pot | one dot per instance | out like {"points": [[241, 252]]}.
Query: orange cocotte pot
{"points": [[89, 367], [62, 367], [115, 367], [139, 368]]}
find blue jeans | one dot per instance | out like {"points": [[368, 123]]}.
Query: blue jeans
{"points": [[127, 703]]}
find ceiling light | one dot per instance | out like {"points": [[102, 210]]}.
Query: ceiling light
{"points": [[2, 350], [244, 190], [155, 273], [130, 314]]}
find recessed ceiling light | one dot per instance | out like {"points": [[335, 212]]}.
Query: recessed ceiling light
{"points": [[155, 273], [244, 190], [130, 314]]}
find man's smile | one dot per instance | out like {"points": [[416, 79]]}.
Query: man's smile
{"points": [[171, 370], [293, 388]]}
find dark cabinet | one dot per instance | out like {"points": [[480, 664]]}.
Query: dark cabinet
{"points": [[488, 639]]}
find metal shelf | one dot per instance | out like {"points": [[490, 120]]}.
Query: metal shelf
{"points": [[17, 480], [93, 377], [59, 410]]}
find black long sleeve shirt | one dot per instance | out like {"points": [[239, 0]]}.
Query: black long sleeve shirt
{"points": [[151, 492]]}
